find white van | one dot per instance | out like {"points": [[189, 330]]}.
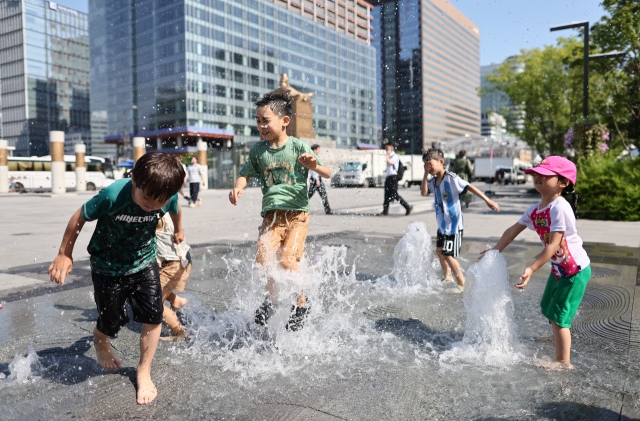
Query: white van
{"points": [[34, 173]]}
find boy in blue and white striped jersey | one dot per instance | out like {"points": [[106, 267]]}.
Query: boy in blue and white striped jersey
{"points": [[447, 188]]}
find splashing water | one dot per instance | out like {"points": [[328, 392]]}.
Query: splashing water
{"points": [[412, 258], [23, 369], [490, 335], [337, 337]]}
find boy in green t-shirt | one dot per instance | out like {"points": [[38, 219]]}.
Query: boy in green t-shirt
{"points": [[123, 257], [282, 165]]}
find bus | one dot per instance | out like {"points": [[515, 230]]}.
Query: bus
{"points": [[34, 173]]}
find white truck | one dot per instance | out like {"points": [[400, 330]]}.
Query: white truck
{"points": [[485, 169], [361, 169], [414, 172]]}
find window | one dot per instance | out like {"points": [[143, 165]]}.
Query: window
{"points": [[322, 124], [220, 72], [333, 125], [254, 63], [219, 54], [271, 68], [237, 58], [238, 94], [221, 91], [353, 115], [221, 109], [238, 76], [271, 84], [239, 112], [255, 80], [255, 96]]}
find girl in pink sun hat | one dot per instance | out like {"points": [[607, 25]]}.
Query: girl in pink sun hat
{"points": [[554, 220]]}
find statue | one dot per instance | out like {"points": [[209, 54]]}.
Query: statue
{"points": [[301, 125], [293, 92]]}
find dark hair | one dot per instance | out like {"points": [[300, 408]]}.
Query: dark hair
{"points": [[462, 153], [385, 144], [432, 154], [279, 104], [315, 146], [570, 190], [159, 175]]}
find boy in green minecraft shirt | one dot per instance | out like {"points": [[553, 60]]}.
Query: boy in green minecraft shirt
{"points": [[123, 257]]}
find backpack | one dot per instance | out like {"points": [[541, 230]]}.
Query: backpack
{"points": [[401, 170]]}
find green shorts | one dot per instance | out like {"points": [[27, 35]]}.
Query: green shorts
{"points": [[562, 297]]}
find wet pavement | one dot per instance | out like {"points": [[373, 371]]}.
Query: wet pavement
{"points": [[372, 349]]}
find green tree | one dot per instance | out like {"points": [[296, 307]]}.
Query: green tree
{"points": [[545, 87], [619, 31]]}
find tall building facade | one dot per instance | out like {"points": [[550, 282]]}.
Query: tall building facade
{"points": [[44, 72], [428, 72], [171, 68], [498, 101]]}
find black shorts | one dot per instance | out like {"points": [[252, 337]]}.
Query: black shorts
{"points": [[450, 244], [142, 291]]}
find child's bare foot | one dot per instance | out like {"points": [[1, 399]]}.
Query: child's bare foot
{"points": [[147, 391], [178, 335], [104, 353], [178, 303], [553, 365]]}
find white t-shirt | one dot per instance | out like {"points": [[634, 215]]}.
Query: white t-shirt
{"points": [[446, 198], [313, 175], [194, 173], [395, 160], [571, 257]]}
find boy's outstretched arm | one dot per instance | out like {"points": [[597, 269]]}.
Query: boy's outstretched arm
{"points": [[178, 232], [236, 193], [309, 161], [493, 205], [63, 263]]}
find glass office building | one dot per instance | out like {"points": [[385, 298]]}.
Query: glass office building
{"points": [[44, 71], [180, 67], [428, 72]]}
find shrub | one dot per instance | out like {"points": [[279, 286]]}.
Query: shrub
{"points": [[609, 188]]}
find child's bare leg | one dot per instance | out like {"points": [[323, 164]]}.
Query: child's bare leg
{"points": [[456, 269], [562, 342], [446, 270], [149, 337], [176, 301], [104, 352], [291, 263], [172, 322]]}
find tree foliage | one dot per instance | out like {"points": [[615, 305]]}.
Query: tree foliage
{"points": [[545, 87], [620, 31]]}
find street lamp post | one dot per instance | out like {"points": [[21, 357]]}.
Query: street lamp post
{"points": [[587, 57]]}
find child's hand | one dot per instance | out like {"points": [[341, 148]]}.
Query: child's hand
{"points": [[178, 237], [483, 252], [524, 279], [309, 161], [60, 268], [493, 205], [235, 195]]}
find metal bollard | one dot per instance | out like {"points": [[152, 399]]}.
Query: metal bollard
{"points": [[4, 167], [202, 160], [58, 166], [139, 148], [81, 167]]}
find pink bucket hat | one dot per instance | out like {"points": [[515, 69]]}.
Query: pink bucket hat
{"points": [[555, 165]]}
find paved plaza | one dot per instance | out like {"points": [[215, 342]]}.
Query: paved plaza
{"points": [[372, 349]]}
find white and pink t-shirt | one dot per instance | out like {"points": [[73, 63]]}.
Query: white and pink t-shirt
{"points": [[571, 257]]}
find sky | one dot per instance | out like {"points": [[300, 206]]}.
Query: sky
{"points": [[506, 26]]}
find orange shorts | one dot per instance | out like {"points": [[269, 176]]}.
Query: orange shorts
{"points": [[282, 232], [173, 277]]}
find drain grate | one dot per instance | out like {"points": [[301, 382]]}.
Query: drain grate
{"points": [[602, 313], [600, 272]]}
